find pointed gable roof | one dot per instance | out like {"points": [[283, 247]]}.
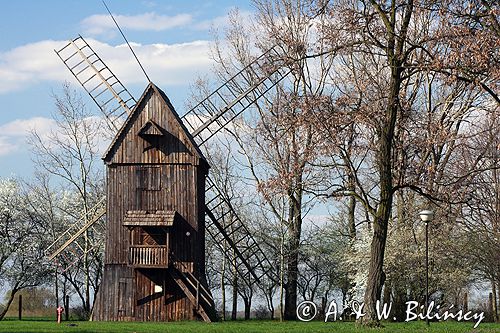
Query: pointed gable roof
{"points": [[150, 127]]}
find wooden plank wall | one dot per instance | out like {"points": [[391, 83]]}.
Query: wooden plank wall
{"points": [[115, 297], [127, 293], [179, 193]]}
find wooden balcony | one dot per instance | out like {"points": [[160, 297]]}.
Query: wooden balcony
{"points": [[148, 256]]}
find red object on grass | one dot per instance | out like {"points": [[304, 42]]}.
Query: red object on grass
{"points": [[60, 310]]}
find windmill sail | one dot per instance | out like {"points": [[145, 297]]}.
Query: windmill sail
{"points": [[236, 95], [203, 121], [250, 260], [97, 79], [69, 246]]}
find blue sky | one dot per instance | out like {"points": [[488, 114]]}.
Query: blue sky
{"points": [[171, 38]]}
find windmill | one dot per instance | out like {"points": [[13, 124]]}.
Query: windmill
{"points": [[154, 252]]}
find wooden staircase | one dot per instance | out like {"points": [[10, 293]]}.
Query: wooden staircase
{"points": [[194, 289]]}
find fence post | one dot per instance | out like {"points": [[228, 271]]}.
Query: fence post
{"points": [[20, 307], [66, 305]]}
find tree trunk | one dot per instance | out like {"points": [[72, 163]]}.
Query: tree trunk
{"points": [[223, 296], [234, 310], [269, 301], [376, 276], [223, 284], [498, 298], [352, 208], [56, 285], [494, 307], [322, 309], [248, 304], [399, 300], [291, 285], [271, 309], [387, 291], [9, 302], [86, 269], [384, 158], [395, 45], [282, 274], [295, 225]]}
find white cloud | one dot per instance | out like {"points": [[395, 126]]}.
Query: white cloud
{"points": [[221, 22], [166, 64], [102, 24], [21, 127], [217, 22], [6, 147], [29, 64], [13, 134]]}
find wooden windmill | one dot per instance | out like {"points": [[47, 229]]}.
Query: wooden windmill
{"points": [[160, 200]]}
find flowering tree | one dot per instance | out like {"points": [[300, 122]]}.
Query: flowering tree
{"points": [[22, 242]]}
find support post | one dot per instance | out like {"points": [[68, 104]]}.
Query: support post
{"points": [[427, 271], [20, 307], [66, 305]]}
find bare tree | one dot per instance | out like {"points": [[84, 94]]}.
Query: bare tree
{"points": [[481, 211], [387, 47], [280, 138], [389, 89], [70, 154]]}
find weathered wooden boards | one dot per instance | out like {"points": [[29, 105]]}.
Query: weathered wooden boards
{"points": [[156, 194]]}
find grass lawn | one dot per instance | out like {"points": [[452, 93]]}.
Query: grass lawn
{"points": [[252, 326]]}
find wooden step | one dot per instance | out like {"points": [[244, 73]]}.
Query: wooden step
{"points": [[192, 298]]}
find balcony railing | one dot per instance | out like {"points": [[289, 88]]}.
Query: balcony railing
{"points": [[148, 256]]}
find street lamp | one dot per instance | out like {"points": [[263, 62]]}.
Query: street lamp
{"points": [[426, 216]]}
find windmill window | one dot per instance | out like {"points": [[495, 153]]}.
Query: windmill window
{"points": [[148, 178]]}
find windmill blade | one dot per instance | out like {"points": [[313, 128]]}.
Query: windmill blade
{"points": [[207, 118], [70, 240], [248, 257], [236, 95], [74, 252], [97, 79]]}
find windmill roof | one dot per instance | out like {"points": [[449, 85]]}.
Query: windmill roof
{"points": [[159, 218], [122, 131]]}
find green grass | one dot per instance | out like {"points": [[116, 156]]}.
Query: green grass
{"points": [[253, 326]]}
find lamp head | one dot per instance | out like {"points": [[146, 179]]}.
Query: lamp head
{"points": [[426, 215]]}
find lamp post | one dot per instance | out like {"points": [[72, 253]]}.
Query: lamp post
{"points": [[426, 216]]}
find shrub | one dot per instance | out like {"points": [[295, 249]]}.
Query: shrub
{"points": [[261, 312]]}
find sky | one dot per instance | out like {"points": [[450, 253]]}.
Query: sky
{"points": [[171, 38]]}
